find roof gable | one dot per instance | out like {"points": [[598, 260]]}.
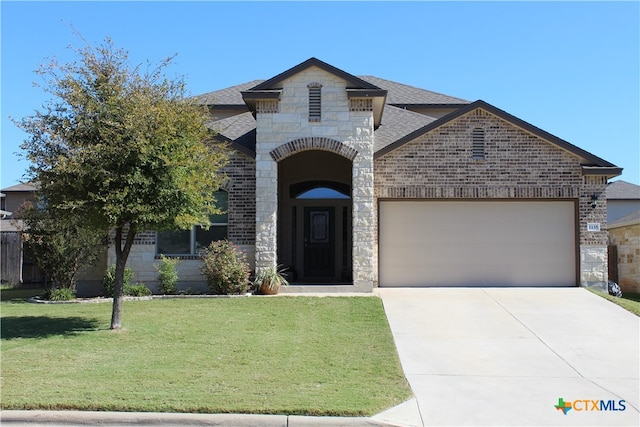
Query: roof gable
{"points": [[356, 87], [592, 165], [353, 82]]}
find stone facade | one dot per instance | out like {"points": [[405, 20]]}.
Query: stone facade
{"points": [[516, 165], [340, 130], [626, 238]]}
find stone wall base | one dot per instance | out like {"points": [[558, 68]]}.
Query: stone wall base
{"points": [[593, 265]]}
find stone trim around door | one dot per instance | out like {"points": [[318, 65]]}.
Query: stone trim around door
{"points": [[363, 219], [313, 143]]}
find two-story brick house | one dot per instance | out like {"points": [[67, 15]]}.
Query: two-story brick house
{"points": [[357, 182]]}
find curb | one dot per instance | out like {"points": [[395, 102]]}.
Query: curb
{"points": [[83, 418]]}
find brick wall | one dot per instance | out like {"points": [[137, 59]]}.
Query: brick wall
{"points": [[241, 171], [516, 165]]}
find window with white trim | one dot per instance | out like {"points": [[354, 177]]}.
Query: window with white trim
{"points": [[315, 102], [191, 242]]}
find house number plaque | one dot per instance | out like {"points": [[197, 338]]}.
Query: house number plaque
{"points": [[593, 226]]}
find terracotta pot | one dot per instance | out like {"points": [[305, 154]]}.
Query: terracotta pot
{"points": [[265, 289]]}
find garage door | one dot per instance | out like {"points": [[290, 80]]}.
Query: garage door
{"points": [[477, 243]]}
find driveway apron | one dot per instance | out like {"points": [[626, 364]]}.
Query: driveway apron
{"points": [[505, 356]]}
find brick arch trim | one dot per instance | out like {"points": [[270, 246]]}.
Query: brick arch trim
{"points": [[313, 143]]}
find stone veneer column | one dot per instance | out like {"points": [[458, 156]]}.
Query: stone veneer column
{"points": [[364, 213], [593, 244]]}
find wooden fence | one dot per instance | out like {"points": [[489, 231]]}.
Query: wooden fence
{"points": [[17, 265], [10, 257]]}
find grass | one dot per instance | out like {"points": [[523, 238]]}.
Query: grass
{"points": [[9, 293], [629, 301], [285, 355]]}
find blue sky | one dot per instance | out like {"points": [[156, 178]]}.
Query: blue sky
{"points": [[570, 68]]}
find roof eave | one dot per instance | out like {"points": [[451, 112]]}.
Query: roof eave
{"points": [[609, 172], [233, 107], [379, 98], [234, 145], [251, 96], [430, 105]]}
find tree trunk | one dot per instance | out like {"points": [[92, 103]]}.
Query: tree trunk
{"points": [[122, 254]]}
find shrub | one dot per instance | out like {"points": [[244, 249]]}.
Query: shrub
{"points": [[109, 280], [60, 294], [168, 276], [225, 268], [137, 290], [59, 243]]}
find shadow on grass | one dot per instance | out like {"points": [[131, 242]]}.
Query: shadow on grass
{"points": [[20, 295], [44, 326]]}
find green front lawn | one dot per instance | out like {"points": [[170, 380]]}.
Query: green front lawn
{"points": [[284, 355], [629, 301]]}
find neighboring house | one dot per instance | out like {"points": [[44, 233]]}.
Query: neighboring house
{"points": [[3, 213], [623, 223], [358, 182], [16, 263], [624, 237], [15, 196], [623, 198]]}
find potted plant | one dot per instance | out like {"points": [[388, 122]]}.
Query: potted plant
{"points": [[269, 280]]}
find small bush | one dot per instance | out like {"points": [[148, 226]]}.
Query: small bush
{"points": [[168, 276], [60, 294], [109, 280], [137, 290], [225, 268]]}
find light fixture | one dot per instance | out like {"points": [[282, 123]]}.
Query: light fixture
{"points": [[594, 201]]}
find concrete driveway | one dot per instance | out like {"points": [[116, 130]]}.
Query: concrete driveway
{"points": [[505, 356]]}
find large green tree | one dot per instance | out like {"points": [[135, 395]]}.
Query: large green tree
{"points": [[120, 147]]}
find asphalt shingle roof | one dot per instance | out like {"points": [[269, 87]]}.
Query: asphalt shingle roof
{"points": [[632, 218], [397, 123], [401, 94], [623, 190], [228, 96], [239, 129], [397, 94], [19, 187], [397, 126]]}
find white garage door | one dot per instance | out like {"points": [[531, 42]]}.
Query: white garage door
{"points": [[477, 243]]}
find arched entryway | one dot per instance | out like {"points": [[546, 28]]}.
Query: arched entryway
{"points": [[315, 216]]}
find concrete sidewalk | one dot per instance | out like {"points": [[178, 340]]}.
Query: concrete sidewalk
{"points": [[505, 356]]}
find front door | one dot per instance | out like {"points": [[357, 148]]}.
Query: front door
{"points": [[319, 250]]}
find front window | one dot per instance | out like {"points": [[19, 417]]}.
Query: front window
{"points": [[190, 242]]}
